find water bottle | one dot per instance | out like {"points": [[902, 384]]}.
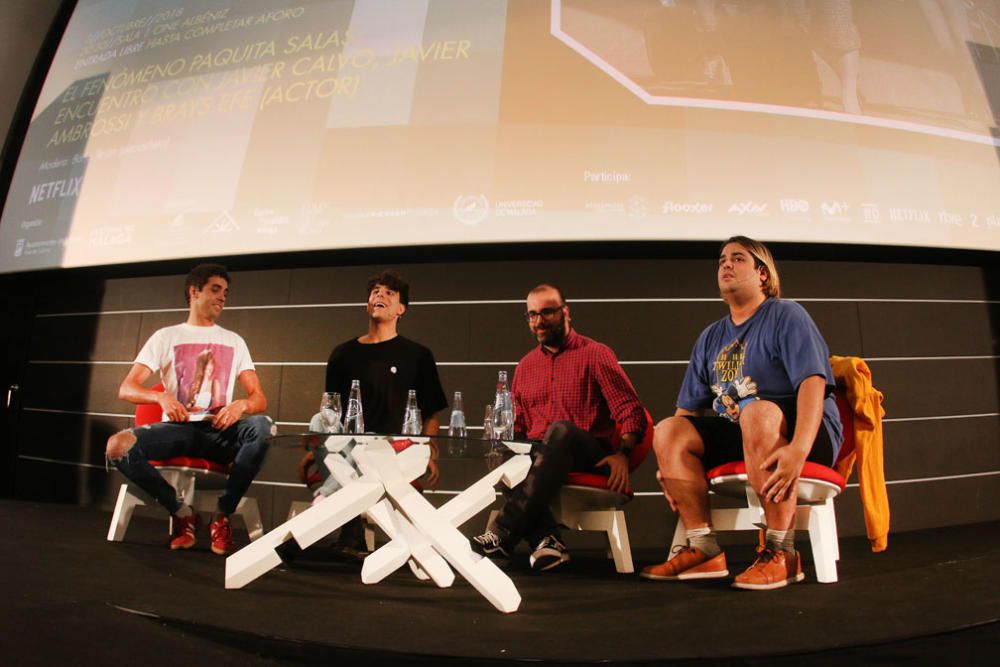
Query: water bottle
{"points": [[354, 422], [503, 410], [456, 427], [412, 423]]}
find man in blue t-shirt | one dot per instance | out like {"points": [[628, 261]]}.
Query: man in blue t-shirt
{"points": [[758, 388]]}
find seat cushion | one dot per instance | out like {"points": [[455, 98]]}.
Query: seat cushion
{"points": [[189, 462], [810, 471], [593, 480]]}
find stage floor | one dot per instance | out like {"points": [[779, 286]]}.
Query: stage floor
{"points": [[67, 590]]}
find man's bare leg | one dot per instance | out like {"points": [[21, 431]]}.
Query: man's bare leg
{"points": [[679, 452], [764, 431]]}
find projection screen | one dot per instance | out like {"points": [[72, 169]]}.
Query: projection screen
{"points": [[184, 128]]}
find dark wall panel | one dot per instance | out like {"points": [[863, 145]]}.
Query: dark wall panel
{"points": [[937, 387], [930, 330], [942, 448], [86, 338]]}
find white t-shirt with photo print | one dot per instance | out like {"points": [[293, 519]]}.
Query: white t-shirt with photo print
{"points": [[197, 365]]}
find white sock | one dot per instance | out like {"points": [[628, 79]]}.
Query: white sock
{"points": [[704, 539], [780, 540]]}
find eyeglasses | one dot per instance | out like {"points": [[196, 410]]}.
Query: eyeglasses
{"points": [[545, 313]]}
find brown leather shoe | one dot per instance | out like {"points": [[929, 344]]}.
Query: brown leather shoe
{"points": [[772, 569], [687, 563]]}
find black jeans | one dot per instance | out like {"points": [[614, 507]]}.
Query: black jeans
{"points": [[565, 448]]}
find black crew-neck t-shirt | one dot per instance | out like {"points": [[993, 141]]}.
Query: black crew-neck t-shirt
{"points": [[387, 371]]}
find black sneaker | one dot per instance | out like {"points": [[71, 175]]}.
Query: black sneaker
{"points": [[348, 553], [549, 553], [350, 547], [489, 544]]}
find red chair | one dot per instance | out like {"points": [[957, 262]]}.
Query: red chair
{"points": [[818, 486], [184, 474], [586, 503]]}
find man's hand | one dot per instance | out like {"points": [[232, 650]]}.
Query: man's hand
{"points": [[172, 409], [786, 462], [433, 473], [618, 479], [229, 415]]}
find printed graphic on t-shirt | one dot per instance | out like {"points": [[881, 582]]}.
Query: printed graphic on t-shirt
{"points": [[202, 376], [732, 389]]}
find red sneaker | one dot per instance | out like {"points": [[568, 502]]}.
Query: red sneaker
{"points": [[184, 528], [222, 536]]}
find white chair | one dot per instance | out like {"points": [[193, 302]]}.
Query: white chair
{"points": [[185, 474], [586, 503], [818, 486]]}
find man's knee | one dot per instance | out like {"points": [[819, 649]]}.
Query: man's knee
{"points": [[675, 435], [119, 445], [261, 424], [256, 434], [761, 423], [558, 452], [558, 436]]}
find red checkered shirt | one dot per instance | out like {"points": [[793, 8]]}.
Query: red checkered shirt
{"points": [[582, 383]]}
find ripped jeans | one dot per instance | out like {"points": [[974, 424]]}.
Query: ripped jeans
{"points": [[243, 445]]}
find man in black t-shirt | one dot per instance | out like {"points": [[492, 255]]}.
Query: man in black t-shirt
{"points": [[387, 366]]}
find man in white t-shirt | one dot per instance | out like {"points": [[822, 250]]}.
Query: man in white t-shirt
{"points": [[198, 362]]}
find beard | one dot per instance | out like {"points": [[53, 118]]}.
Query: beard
{"points": [[553, 334]]}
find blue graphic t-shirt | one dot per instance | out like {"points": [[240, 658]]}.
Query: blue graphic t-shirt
{"points": [[768, 357]]}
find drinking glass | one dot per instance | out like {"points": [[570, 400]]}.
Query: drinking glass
{"points": [[503, 422], [330, 411], [488, 422]]}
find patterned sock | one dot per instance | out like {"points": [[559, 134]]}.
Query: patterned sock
{"points": [[780, 540], [704, 539]]}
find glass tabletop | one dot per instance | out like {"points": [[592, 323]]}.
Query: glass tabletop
{"points": [[447, 447]]}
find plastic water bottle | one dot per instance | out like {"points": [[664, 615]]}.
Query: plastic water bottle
{"points": [[456, 427], [354, 422], [503, 410], [412, 423]]}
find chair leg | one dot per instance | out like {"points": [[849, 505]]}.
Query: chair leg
{"points": [[621, 549], [250, 511], [612, 523], [823, 539], [184, 483], [124, 507]]}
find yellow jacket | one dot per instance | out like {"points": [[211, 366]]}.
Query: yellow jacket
{"points": [[853, 374]]}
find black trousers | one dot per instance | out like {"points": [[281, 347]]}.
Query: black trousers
{"points": [[564, 449]]}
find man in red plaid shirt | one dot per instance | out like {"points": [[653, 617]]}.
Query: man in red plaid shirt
{"points": [[568, 393]]}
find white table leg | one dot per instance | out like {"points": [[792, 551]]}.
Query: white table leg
{"points": [[306, 528]]}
